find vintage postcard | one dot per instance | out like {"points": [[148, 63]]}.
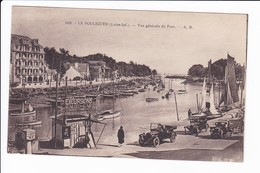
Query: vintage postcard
{"points": [[127, 84]]}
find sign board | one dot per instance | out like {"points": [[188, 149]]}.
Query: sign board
{"points": [[78, 103], [28, 134], [66, 132]]}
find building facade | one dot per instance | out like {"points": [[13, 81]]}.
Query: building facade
{"points": [[76, 70], [27, 65], [98, 70]]}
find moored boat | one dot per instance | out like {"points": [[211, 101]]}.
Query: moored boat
{"points": [[17, 100], [182, 92], [25, 113], [109, 114], [33, 123], [150, 99], [126, 94]]}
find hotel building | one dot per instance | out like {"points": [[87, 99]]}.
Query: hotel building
{"points": [[27, 64]]}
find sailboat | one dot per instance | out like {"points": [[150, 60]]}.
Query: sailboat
{"points": [[207, 105], [229, 96], [211, 111]]}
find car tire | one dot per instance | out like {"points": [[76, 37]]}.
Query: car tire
{"points": [[141, 142], [173, 137], [156, 142]]}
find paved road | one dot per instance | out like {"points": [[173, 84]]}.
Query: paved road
{"points": [[186, 147]]}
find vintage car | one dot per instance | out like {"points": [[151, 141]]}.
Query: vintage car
{"points": [[197, 124], [223, 127], [157, 134], [236, 125]]}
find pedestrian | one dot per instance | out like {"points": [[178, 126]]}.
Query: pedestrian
{"points": [[189, 113], [121, 136], [87, 139]]}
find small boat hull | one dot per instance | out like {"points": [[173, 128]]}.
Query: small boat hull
{"points": [[110, 115], [17, 100], [126, 94], [35, 123], [21, 117], [151, 99], [23, 113]]}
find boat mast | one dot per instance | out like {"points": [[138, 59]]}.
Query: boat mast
{"points": [[56, 112], [176, 105], [197, 100], [113, 125]]}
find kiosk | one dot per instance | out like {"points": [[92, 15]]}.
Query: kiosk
{"points": [[72, 130]]}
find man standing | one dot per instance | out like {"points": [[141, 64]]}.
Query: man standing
{"points": [[189, 113], [121, 136]]}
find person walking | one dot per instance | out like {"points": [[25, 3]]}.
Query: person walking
{"points": [[87, 139], [189, 113], [121, 136]]}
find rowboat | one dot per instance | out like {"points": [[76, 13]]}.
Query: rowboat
{"points": [[109, 114], [151, 99]]}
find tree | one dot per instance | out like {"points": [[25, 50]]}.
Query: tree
{"points": [[64, 52], [239, 70], [54, 59], [218, 68], [154, 72], [197, 70]]}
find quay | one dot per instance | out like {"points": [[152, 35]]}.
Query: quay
{"points": [[186, 147]]}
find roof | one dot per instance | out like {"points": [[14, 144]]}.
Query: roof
{"points": [[77, 118], [83, 67], [24, 40]]}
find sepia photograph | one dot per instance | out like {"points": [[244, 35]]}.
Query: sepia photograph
{"points": [[127, 84], [122, 83]]}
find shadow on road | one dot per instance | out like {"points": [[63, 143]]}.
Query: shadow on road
{"points": [[233, 153]]}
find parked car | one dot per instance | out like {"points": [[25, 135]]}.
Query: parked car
{"points": [[157, 134], [230, 126], [197, 124]]}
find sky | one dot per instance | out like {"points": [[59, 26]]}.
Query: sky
{"points": [[170, 42]]}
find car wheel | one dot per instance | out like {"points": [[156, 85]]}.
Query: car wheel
{"points": [[141, 141], [156, 142], [185, 131], [173, 137], [221, 134], [196, 131]]}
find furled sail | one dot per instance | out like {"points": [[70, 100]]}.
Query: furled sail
{"points": [[203, 96]]}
